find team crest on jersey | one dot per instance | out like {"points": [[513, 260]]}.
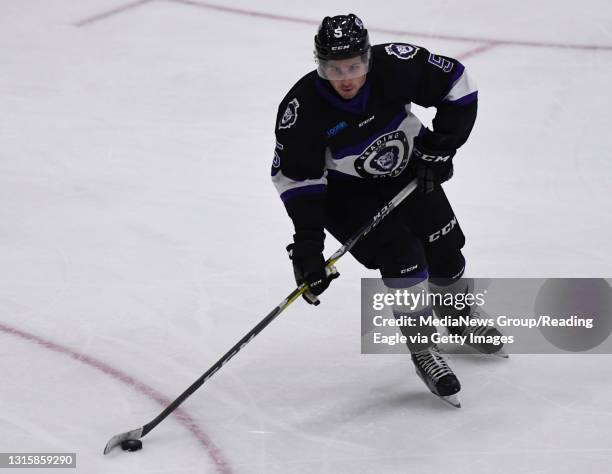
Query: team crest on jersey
{"points": [[386, 157], [290, 116], [402, 51]]}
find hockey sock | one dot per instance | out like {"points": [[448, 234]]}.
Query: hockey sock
{"points": [[412, 308]]}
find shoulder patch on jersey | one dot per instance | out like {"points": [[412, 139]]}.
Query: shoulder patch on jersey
{"points": [[402, 51], [290, 116]]}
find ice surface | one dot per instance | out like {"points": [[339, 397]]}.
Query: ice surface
{"points": [[140, 237]]}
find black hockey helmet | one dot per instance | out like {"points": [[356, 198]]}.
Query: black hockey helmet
{"points": [[341, 37]]}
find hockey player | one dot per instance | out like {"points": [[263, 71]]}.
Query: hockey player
{"points": [[347, 142]]}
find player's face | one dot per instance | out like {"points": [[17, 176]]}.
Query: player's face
{"points": [[346, 76], [348, 88]]}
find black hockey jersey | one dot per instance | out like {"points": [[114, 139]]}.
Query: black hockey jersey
{"points": [[322, 139]]}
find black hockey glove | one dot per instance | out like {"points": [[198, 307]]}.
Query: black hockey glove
{"points": [[431, 165], [309, 267]]}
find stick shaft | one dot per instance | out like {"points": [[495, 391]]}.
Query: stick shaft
{"points": [[405, 192], [224, 359]]}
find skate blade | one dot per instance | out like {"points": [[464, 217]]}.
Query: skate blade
{"points": [[502, 354], [451, 400]]}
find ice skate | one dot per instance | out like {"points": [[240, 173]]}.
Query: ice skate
{"points": [[433, 370], [483, 337], [479, 337]]}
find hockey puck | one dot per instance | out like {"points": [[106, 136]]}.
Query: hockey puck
{"points": [[131, 445]]}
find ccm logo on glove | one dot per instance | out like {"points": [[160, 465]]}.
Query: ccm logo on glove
{"points": [[434, 158]]}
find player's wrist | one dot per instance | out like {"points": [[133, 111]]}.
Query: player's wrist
{"points": [[436, 142], [309, 239]]}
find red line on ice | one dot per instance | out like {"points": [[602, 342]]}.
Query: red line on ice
{"points": [[109, 13], [493, 41], [473, 52], [489, 42], [221, 465]]}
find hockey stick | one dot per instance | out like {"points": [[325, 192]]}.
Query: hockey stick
{"points": [[143, 430]]}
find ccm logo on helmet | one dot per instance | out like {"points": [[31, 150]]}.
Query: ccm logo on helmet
{"points": [[444, 230]]}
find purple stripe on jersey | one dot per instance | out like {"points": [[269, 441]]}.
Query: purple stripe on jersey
{"points": [[311, 189], [356, 105], [466, 99], [456, 76], [339, 175], [358, 149]]}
